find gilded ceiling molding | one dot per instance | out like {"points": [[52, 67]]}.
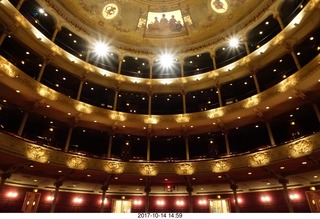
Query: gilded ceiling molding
{"points": [[83, 107], [185, 168], [37, 153], [149, 169], [259, 159], [220, 166], [300, 148], [118, 116], [76, 162], [115, 167]]}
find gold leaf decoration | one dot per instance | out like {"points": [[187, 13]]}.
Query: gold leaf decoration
{"points": [[149, 169], [76, 162], [114, 167], [185, 169], [259, 159], [37, 153], [220, 166], [300, 148]]}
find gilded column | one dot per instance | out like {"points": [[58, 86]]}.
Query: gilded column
{"points": [[284, 183], [235, 196], [120, 64], [43, 66], [148, 147]]}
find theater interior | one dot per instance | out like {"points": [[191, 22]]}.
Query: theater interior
{"points": [[182, 106]]}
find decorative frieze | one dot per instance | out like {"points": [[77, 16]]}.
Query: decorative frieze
{"points": [[300, 148], [114, 167], [185, 168], [219, 166], [76, 162], [149, 169], [259, 159], [37, 153]]}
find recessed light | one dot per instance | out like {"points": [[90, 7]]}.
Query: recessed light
{"points": [[290, 98], [249, 173], [281, 168], [304, 162], [18, 91], [267, 107], [315, 177], [219, 177]]}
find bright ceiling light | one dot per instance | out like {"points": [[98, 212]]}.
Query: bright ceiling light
{"points": [[234, 42], [100, 48], [166, 60]]}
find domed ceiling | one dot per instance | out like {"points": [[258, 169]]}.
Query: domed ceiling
{"points": [[146, 24]]}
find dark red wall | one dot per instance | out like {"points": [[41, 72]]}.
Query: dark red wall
{"points": [[251, 202]]}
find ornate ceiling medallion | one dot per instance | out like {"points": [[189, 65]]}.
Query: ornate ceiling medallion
{"points": [[110, 11], [219, 6]]}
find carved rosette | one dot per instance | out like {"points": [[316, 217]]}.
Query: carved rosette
{"points": [[76, 162], [38, 153], [149, 169], [220, 166], [300, 148], [185, 168], [114, 167], [259, 159]]}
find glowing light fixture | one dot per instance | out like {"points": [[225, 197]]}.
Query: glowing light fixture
{"points": [[101, 48], [166, 60], [233, 42]]}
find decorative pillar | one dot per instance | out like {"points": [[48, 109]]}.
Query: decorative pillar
{"points": [[151, 69], [213, 56], [80, 88], [19, 4], [295, 58], [284, 183], [181, 67], [23, 123], [110, 146], [270, 134], [187, 148], [256, 82], [104, 191], [43, 66], [54, 35], [57, 184], [4, 177], [120, 64], [115, 102], [149, 102], [278, 18], [219, 92], [245, 42], [148, 147], [2, 37], [316, 109], [234, 188], [227, 142], [66, 146], [147, 190], [190, 190], [184, 103]]}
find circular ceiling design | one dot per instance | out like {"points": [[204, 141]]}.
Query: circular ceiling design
{"points": [[129, 24]]}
